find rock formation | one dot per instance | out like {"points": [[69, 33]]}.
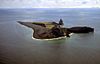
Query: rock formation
{"points": [[42, 32], [83, 29], [48, 30], [61, 22]]}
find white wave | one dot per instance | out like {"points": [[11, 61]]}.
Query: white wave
{"points": [[53, 38]]}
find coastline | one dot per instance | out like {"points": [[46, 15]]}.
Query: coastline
{"points": [[63, 37], [50, 39]]}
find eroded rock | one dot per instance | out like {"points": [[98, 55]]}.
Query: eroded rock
{"points": [[80, 29]]}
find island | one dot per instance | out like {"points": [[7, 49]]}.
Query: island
{"points": [[49, 30]]}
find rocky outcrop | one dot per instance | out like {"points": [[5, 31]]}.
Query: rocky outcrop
{"points": [[57, 31], [42, 32], [81, 29], [61, 22]]}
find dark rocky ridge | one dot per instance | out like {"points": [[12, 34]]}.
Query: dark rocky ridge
{"points": [[80, 29]]}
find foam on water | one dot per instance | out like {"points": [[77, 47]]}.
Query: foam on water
{"points": [[52, 38]]}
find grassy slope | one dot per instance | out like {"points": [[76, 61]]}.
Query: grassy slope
{"points": [[47, 24]]}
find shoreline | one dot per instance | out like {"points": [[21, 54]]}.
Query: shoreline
{"points": [[63, 37], [50, 39]]}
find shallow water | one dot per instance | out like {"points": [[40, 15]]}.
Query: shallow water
{"points": [[18, 47]]}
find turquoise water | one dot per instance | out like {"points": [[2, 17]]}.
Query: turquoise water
{"points": [[18, 47]]}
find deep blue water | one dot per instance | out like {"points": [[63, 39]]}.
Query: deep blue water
{"points": [[17, 46]]}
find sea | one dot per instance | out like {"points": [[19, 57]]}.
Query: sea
{"points": [[18, 47]]}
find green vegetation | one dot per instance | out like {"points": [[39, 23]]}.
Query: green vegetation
{"points": [[48, 25]]}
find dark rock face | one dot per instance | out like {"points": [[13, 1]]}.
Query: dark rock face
{"points": [[61, 22], [66, 32], [81, 29], [57, 32]]}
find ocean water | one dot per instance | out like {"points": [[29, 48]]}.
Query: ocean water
{"points": [[18, 47]]}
